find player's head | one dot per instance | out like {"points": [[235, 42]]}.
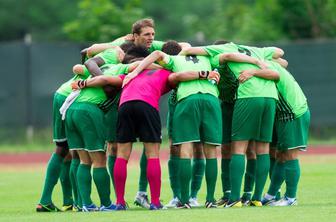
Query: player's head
{"points": [[127, 45], [220, 42], [171, 47], [136, 51], [143, 32]]}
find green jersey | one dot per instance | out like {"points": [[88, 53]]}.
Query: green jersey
{"points": [[292, 101], [228, 84], [96, 95], [192, 63], [109, 56], [65, 89], [254, 87], [156, 45]]}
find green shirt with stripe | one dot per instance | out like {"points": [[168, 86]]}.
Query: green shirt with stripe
{"points": [[192, 63], [254, 87], [292, 101], [65, 89], [96, 95]]}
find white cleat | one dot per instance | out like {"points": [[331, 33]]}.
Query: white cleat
{"points": [[193, 202], [284, 202], [172, 203], [141, 199]]}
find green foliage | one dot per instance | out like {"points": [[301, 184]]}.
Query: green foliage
{"points": [[43, 19], [102, 20]]}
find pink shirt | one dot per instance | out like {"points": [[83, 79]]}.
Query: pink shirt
{"points": [[148, 86]]}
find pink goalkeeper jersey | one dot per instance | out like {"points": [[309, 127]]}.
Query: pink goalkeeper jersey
{"points": [[148, 86]]}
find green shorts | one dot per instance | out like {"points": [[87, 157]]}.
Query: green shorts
{"points": [[58, 124], [84, 125], [253, 119], [111, 118], [198, 118], [293, 134], [171, 109], [227, 112]]}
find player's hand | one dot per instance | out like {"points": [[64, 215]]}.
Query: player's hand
{"points": [[78, 84], [128, 78], [129, 37], [246, 75], [213, 75]]}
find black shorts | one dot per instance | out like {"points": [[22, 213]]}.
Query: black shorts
{"points": [[137, 119]]}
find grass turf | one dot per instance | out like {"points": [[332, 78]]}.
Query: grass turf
{"points": [[20, 188]]}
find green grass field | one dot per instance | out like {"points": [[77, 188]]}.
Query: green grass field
{"points": [[20, 187]]}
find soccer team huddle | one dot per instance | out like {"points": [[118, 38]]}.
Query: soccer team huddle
{"points": [[238, 98]]}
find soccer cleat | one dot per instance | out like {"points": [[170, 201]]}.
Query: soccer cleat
{"points": [[193, 202], [245, 202], [90, 208], [172, 203], [77, 208], [284, 202], [157, 207], [209, 204], [265, 201], [120, 207], [222, 201], [67, 208], [47, 208], [255, 203], [112, 207], [233, 204], [183, 206], [141, 199]]}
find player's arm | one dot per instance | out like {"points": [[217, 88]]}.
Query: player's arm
{"points": [[175, 78], [240, 57], [184, 45], [193, 51], [156, 56], [97, 81], [80, 69], [282, 62], [261, 73], [93, 65], [133, 65]]}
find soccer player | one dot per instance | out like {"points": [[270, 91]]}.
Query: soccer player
{"points": [[57, 168], [197, 108], [291, 127], [146, 125]]}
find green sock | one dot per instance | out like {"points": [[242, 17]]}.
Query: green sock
{"points": [[225, 176], [110, 165], [143, 182], [102, 181], [66, 184], [249, 179], [84, 181], [292, 176], [272, 163], [52, 175], [262, 169], [237, 167], [173, 170], [198, 168], [278, 177], [211, 171], [73, 179], [185, 177]]}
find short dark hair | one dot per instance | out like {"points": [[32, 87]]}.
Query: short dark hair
{"points": [[171, 47], [220, 42], [138, 25], [136, 51], [127, 45]]}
